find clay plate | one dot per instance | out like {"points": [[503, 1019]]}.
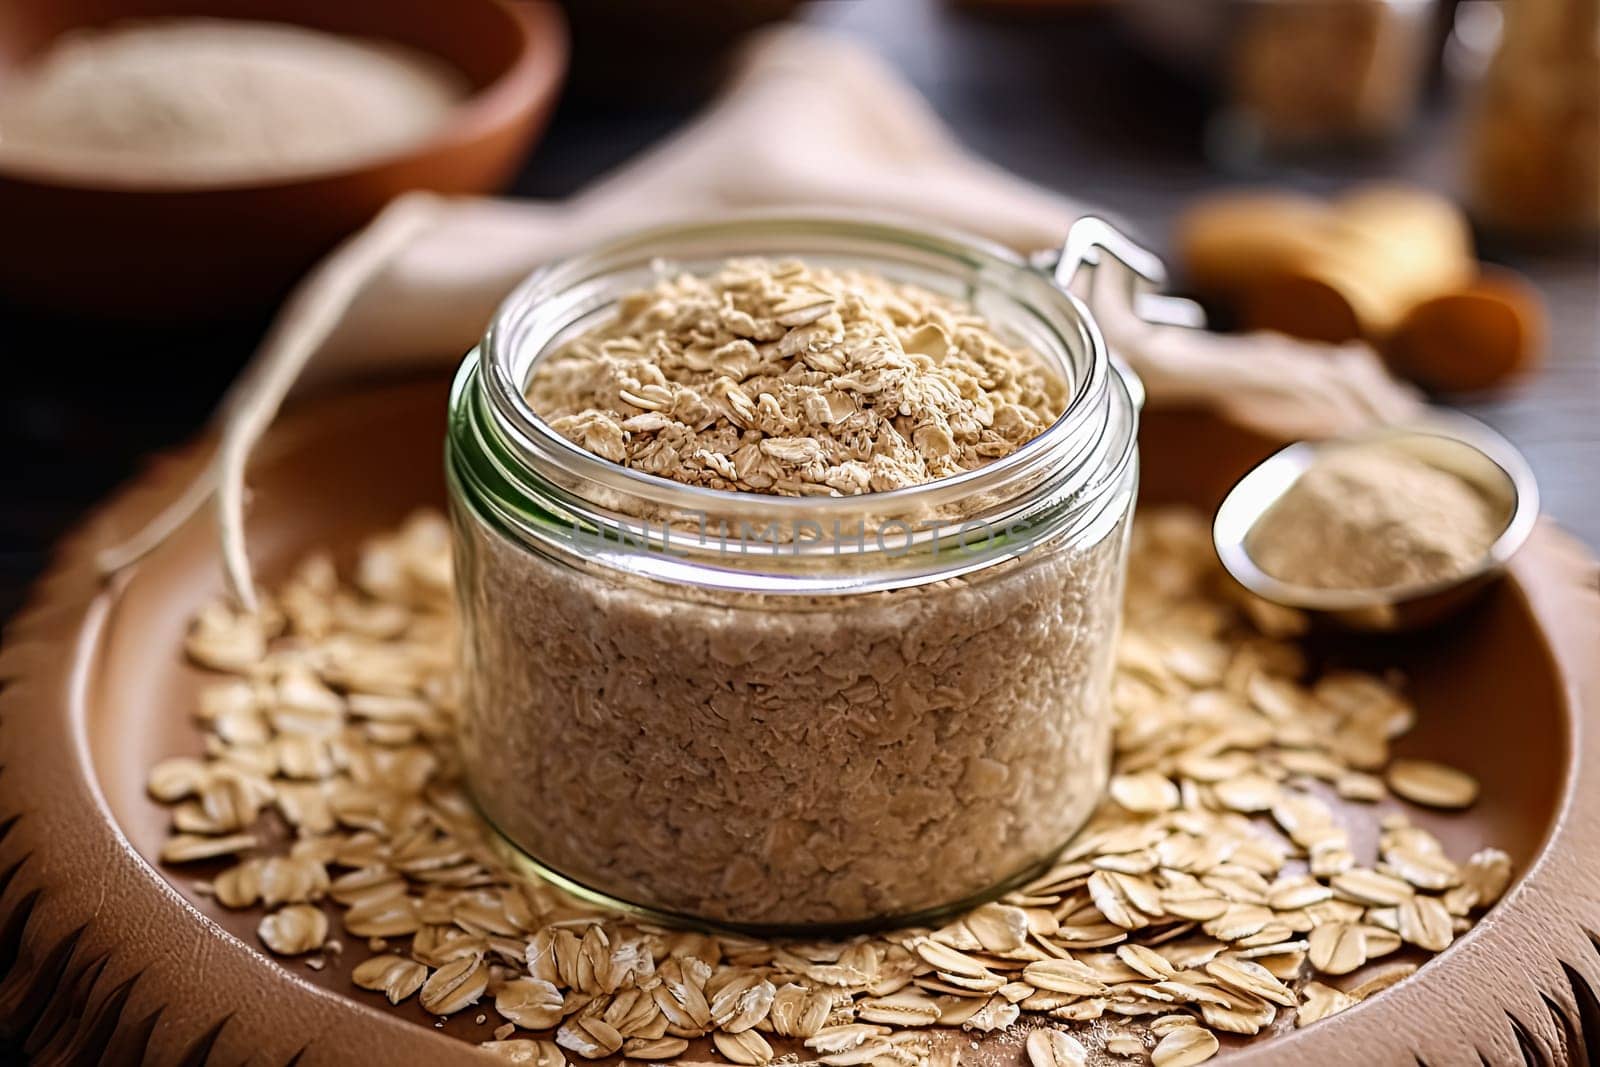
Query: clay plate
{"points": [[107, 958]]}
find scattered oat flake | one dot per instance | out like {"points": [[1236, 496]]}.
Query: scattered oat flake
{"points": [[1321, 1001], [294, 930], [174, 779], [1144, 793], [1356, 785], [654, 1048], [1432, 784], [748, 1048], [393, 976], [190, 848], [904, 1009], [1487, 872], [1124, 1045], [525, 1052], [1338, 947], [1424, 922], [1371, 887], [1048, 1047], [1176, 912], [999, 927], [1184, 1047], [1383, 980], [456, 985]]}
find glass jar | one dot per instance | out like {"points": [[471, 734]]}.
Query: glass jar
{"points": [[1533, 150], [782, 712], [1309, 76]]}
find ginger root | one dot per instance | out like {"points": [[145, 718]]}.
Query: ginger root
{"points": [[1390, 265], [1470, 338]]}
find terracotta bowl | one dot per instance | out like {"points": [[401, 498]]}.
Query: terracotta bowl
{"points": [[97, 244]]}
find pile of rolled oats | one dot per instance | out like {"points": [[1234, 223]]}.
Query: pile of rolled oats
{"points": [[794, 380], [1216, 888]]}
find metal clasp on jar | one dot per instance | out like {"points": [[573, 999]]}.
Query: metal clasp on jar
{"points": [[1087, 241]]}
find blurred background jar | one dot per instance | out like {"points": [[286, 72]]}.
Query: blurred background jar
{"points": [[1315, 73], [1297, 76], [1533, 144]]}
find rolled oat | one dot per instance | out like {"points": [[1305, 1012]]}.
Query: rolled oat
{"points": [[472, 931]]}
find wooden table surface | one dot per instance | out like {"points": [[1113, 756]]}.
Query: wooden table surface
{"points": [[1060, 99]]}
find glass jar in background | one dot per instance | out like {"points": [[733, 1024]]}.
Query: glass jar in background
{"points": [[782, 712], [1533, 154], [1313, 74]]}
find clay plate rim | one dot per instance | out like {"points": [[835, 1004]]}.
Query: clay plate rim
{"points": [[103, 960]]}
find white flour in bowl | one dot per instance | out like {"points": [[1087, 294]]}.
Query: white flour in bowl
{"points": [[205, 100]]}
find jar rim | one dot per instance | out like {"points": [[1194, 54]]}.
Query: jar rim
{"points": [[511, 401], [1059, 469]]}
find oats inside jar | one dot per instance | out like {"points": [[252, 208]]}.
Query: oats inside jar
{"points": [[835, 726], [776, 378]]}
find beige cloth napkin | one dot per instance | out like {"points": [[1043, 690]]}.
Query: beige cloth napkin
{"points": [[809, 120]]}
